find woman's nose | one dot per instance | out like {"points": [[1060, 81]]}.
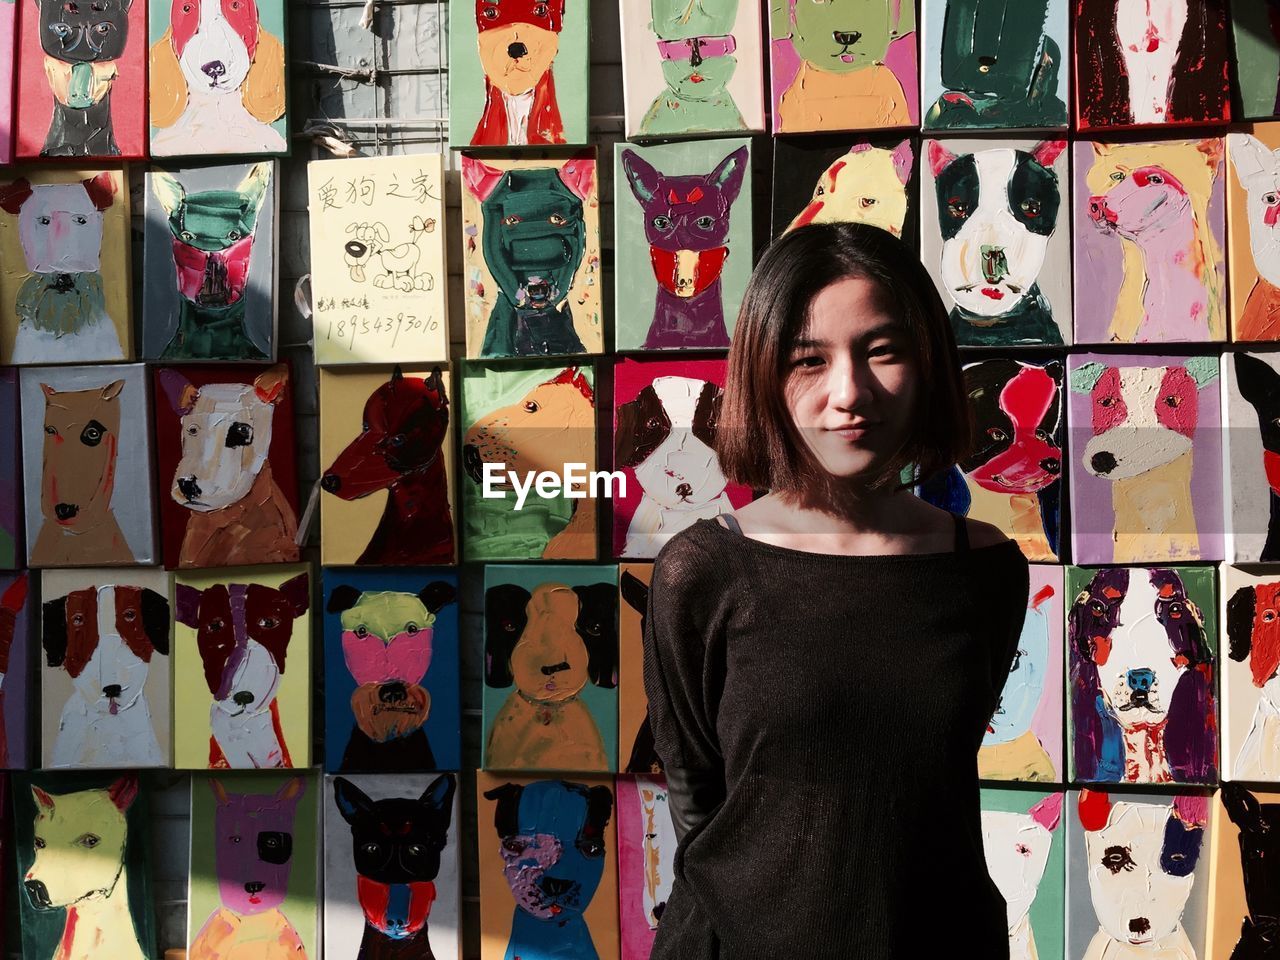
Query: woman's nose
{"points": [[850, 384]]}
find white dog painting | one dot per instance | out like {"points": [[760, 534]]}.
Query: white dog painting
{"points": [[1018, 847]]}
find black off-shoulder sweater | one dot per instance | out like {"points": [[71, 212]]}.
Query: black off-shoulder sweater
{"points": [[844, 698]]}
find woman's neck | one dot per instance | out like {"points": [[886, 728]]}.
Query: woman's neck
{"points": [[865, 522]]}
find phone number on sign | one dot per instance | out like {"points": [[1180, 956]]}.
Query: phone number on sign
{"points": [[350, 330]]}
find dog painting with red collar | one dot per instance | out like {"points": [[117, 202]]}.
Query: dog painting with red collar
{"points": [[518, 41], [244, 631]]}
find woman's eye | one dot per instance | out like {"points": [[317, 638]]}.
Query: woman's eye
{"points": [[556, 220]]}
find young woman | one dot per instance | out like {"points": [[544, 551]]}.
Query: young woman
{"points": [[821, 664]]}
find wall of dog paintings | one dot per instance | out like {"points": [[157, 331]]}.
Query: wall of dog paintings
{"points": [[304, 317]]}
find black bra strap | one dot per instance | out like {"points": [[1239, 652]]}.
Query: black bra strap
{"points": [[732, 521], [962, 533]]}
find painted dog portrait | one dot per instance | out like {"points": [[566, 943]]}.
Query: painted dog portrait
{"points": [[1146, 472], [62, 306], [1143, 706], [81, 861], [396, 848], [686, 220], [1250, 929], [517, 43], [105, 681], [243, 633], [994, 216], [231, 496], [217, 78], [1137, 859], [636, 751], [543, 646], [1257, 175], [388, 642], [865, 183], [253, 852], [210, 297], [1253, 750], [843, 66], [1018, 845], [552, 846], [533, 227], [1154, 63], [399, 458], [1160, 206], [646, 853], [1254, 398]]}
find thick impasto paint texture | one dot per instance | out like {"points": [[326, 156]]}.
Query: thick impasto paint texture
{"points": [[1023, 840], [646, 857], [1253, 240], [378, 287], [1146, 458], [1142, 650], [391, 670], [1250, 677], [551, 668], [253, 887], [636, 752], [391, 867], [524, 421], [8, 38], [11, 547], [548, 867], [242, 658], [1156, 63], [692, 68], [217, 77], [104, 679], [386, 452], [531, 256], [83, 876], [1256, 29], [17, 598], [1243, 899], [518, 72], [1253, 455], [64, 267], [226, 469], [685, 210], [81, 79], [86, 452], [209, 263], [992, 64]]}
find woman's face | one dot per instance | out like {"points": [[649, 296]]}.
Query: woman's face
{"points": [[851, 380]]}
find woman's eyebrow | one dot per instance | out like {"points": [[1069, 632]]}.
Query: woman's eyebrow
{"points": [[888, 328]]}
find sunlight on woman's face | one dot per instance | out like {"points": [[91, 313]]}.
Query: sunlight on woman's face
{"points": [[851, 380]]}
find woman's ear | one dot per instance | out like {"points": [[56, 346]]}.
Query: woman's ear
{"points": [[168, 87], [263, 89]]}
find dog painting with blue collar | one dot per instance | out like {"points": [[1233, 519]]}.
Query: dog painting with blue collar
{"points": [[553, 845]]}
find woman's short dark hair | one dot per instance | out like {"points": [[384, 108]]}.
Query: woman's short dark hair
{"points": [[757, 443]]}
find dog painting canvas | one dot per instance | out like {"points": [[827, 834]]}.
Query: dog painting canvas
{"points": [[1253, 455], [1149, 242], [64, 267], [550, 668], [518, 72], [242, 668], [225, 465], [548, 867], [1023, 740], [81, 79], [646, 856], [387, 462], [1158, 63], [254, 886], [666, 415], [17, 600], [83, 871], [86, 452], [685, 209], [692, 69], [994, 64], [994, 235], [1023, 840], [1142, 653], [636, 752], [1250, 676], [392, 867], [378, 279], [1253, 205], [829, 178], [1244, 904], [1146, 458], [847, 65], [1137, 875], [519, 421], [531, 255], [391, 662], [1256, 31], [11, 548], [1013, 476], [209, 263], [217, 77], [8, 38], [104, 677]]}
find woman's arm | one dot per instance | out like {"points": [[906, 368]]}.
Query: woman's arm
{"points": [[680, 598]]}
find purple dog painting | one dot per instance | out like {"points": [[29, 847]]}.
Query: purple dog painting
{"points": [[687, 225]]}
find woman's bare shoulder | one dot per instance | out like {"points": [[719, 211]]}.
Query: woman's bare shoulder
{"points": [[983, 534]]}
